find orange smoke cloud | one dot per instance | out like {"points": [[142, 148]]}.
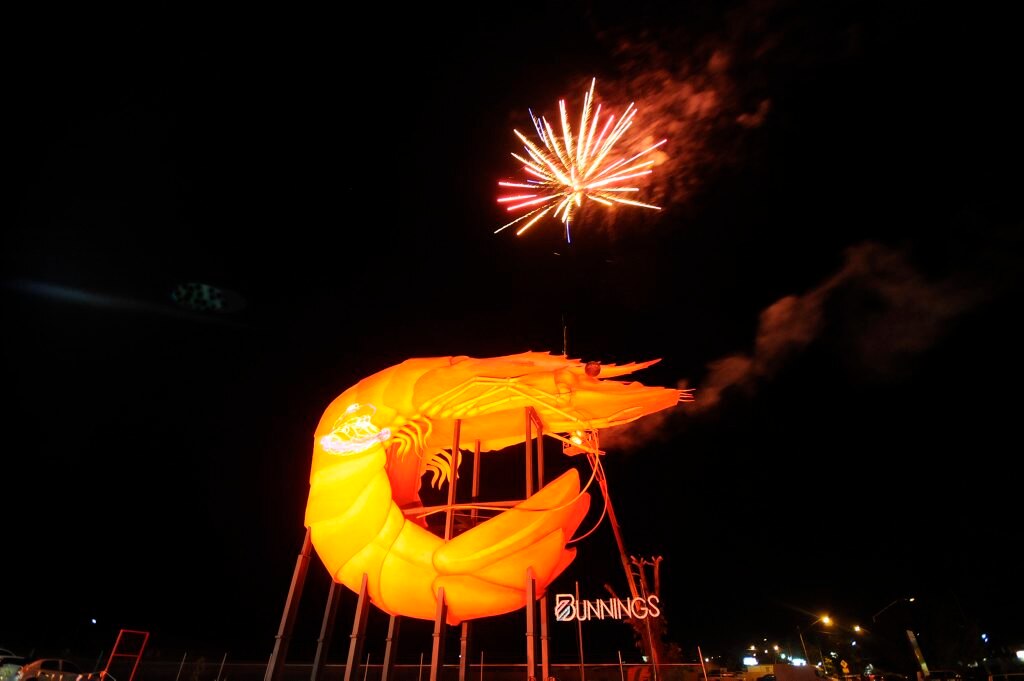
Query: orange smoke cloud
{"points": [[692, 97], [879, 305], [880, 310], [687, 111]]}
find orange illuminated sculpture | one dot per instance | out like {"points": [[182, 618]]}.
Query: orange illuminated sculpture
{"points": [[376, 441]]}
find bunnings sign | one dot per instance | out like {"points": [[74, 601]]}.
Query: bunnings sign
{"points": [[567, 608]]}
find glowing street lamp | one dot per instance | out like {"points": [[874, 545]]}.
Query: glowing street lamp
{"points": [[911, 599], [824, 619]]}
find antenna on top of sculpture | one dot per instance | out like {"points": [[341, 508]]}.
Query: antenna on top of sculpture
{"points": [[565, 169]]}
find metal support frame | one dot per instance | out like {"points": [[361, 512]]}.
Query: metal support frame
{"points": [[437, 649], [358, 636], [652, 645], [579, 636], [467, 629], [440, 617], [531, 634], [464, 652], [291, 606], [391, 649], [545, 657], [323, 644], [602, 481]]}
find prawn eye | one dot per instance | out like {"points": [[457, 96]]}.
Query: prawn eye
{"points": [[354, 431]]}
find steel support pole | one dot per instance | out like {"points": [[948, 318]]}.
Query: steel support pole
{"points": [[449, 516], [291, 606], [391, 649], [614, 522], [180, 667], [545, 658], [531, 634], [529, 452], [221, 670], [323, 644], [802, 644], [579, 633], [437, 649], [473, 513], [355, 645], [464, 652]]}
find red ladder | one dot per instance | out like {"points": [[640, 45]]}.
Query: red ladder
{"points": [[125, 637]]}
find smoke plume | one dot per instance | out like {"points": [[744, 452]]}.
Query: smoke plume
{"points": [[881, 308], [877, 312], [706, 84]]}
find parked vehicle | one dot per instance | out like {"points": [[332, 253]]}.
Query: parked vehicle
{"points": [[10, 665], [49, 669]]}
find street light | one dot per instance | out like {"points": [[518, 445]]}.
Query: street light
{"points": [[911, 599], [824, 619]]}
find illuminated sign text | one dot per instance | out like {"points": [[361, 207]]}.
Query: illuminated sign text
{"points": [[567, 608]]}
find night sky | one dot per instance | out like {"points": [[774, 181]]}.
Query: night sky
{"points": [[836, 271]]}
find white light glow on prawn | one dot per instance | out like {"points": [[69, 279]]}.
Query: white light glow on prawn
{"points": [[354, 432]]}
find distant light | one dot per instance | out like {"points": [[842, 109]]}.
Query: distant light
{"points": [[853, 643], [911, 599], [833, 655], [984, 637], [206, 298], [93, 620], [856, 627], [775, 648], [644, 658], [708, 659], [798, 661], [1020, 655], [752, 647], [783, 656], [750, 661], [826, 619]]}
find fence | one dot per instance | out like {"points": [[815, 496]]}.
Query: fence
{"points": [[205, 669]]}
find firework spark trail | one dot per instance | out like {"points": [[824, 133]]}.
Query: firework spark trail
{"points": [[566, 169]]}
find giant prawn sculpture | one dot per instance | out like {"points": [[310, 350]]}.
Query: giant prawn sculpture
{"points": [[378, 438]]}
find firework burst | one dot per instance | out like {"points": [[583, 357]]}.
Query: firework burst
{"points": [[565, 169]]}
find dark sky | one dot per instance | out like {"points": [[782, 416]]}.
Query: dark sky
{"points": [[836, 270]]}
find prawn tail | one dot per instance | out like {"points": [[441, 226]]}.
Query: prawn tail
{"points": [[483, 571]]}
